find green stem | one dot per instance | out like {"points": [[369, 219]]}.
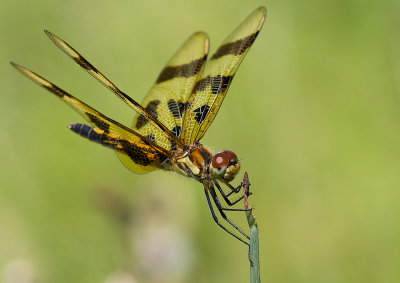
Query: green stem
{"points": [[254, 246]]}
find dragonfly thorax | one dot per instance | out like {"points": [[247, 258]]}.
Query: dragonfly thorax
{"points": [[200, 163]]}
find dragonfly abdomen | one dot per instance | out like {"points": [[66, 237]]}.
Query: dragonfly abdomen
{"points": [[90, 133]]}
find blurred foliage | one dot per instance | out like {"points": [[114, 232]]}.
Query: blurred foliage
{"points": [[313, 113]]}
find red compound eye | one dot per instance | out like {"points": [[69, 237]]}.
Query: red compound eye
{"points": [[220, 160], [232, 157]]}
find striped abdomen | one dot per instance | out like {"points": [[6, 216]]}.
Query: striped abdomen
{"points": [[91, 134]]}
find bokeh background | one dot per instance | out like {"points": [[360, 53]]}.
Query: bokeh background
{"points": [[313, 113]]}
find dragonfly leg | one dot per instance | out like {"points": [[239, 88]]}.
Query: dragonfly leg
{"points": [[221, 211], [227, 200], [222, 214], [233, 189]]}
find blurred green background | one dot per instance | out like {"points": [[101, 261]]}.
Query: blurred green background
{"points": [[313, 114]]}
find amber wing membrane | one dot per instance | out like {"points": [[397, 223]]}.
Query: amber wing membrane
{"points": [[155, 125], [210, 90], [167, 99], [138, 153]]}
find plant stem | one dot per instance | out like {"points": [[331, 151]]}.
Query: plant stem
{"points": [[254, 246]]}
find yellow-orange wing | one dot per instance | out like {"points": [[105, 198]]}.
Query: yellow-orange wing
{"points": [[138, 153], [157, 127], [210, 90], [167, 99]]}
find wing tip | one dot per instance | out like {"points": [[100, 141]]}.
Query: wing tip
{"points": [[206, 39], [52, 36], [15, 65], [200, 33], [262, 10], [20, 68]]}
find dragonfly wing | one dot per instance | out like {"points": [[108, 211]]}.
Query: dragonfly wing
{"points": [[167, 99], [156, 126], [210, 90], [137, 153]]}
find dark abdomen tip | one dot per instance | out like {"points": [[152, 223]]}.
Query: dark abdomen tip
{"points": [[87, 132]]}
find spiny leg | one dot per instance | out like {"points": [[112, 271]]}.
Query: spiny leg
{"points": [[234, 190], [221, 211], [216, 219], [227, 200]]}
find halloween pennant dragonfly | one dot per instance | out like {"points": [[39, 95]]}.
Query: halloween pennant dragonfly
{"points": [[174, 115]]}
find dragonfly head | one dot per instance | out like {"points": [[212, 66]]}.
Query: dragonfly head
{"points": [[224, 165]]}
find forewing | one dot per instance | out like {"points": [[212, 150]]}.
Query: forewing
{"points": [[136, 152], [210, 90], [156, 126], [167, 99]]}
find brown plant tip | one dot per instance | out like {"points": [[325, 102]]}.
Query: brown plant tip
{"points": [[246, 190]]}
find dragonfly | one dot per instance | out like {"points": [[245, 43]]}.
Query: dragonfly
{"points": [[174, 115]]}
